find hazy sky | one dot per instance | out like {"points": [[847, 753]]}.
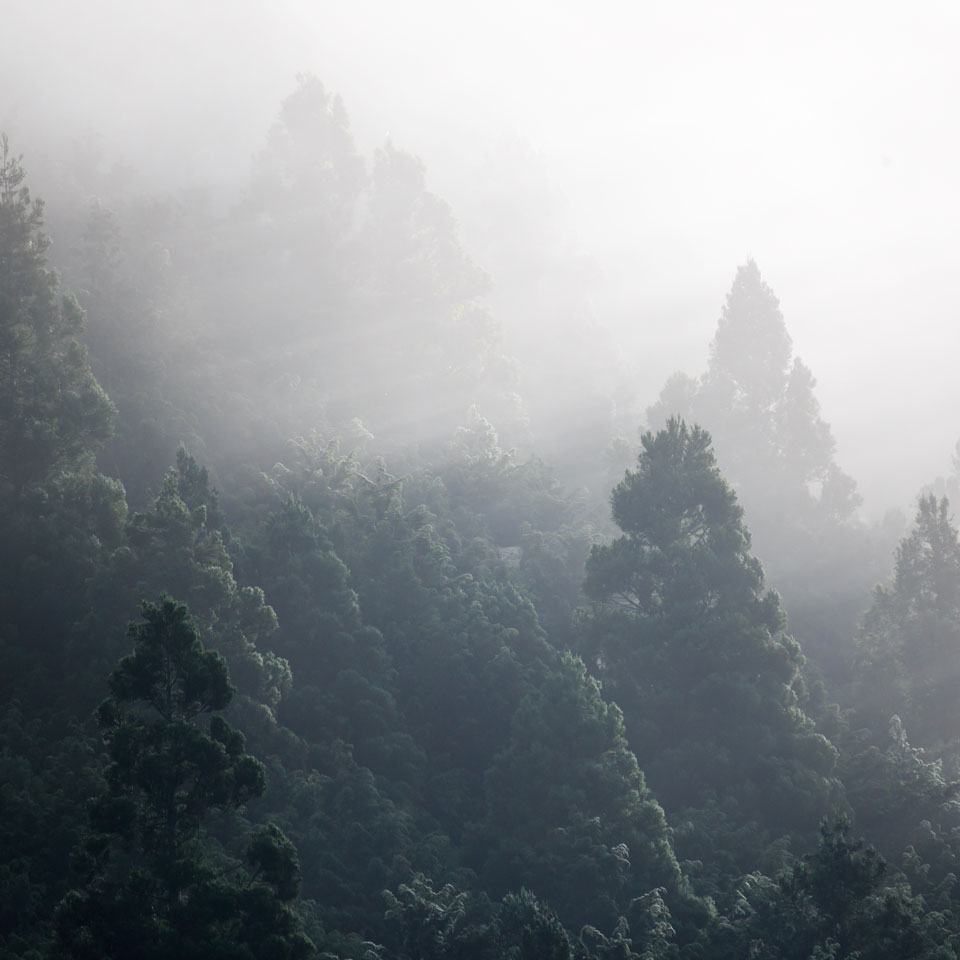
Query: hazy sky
{"points": [[819, 138]]}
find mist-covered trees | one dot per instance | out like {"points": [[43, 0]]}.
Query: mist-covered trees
{"points": [[757, 400], [57, 515], [53, 413], [179, 544], [129, 283], [362, 268], [456, 781], [690, 643], [909, 642]]}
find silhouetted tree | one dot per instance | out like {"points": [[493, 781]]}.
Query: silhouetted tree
{"points": [[150, 891]]}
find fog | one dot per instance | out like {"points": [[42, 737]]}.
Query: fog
{"points": [[645, 151]]}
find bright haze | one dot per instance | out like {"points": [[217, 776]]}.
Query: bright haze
{"points": [[668, 143]]}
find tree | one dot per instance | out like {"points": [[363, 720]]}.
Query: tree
{"points": [[309, 177], [758, 402], [150, 891], [180, 545], [837, 902], [57, 515], [450, 924], [53, 413], [909, 642], [690, 643], [569, 814], [127, 282], [907, 804]]}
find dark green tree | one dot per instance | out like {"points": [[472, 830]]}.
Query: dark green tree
{"points": [[180, 546], [452, 924], [150, 890], [342, 667], [838, 902], [58, 520], [690, 643], [906, 803], [430, 918], [569, 813], [461, 640], [56, 514]]}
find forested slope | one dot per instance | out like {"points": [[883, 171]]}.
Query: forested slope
{"points": [[306, 652]]}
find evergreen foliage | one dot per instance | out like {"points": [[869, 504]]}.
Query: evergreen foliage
{"points": [[446, 779], [909, 642], [835, 903], [53, 413], [149, 890], [690, 643], [569, 813], [758, 402]]}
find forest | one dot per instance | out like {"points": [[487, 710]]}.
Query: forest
{"points": [[320, 638]]}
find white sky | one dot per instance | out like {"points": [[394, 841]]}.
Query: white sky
{"points": [[820, 138]]}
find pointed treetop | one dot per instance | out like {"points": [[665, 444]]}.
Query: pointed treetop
{"points": [[752, 346]]}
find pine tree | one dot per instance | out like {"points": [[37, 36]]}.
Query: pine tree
{"points": [[569, 814], [838, 902], [181, 545], [758, 402], [690, 643], [909, 642], [53, 413], [150, 890], [57, 515]]}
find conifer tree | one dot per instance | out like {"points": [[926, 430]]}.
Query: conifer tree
{"points": [[181, 545], [150, 891], [757, 400], [909, 642], [53, 413], [569, 814], [838, 902], [57, 515], [690, 643]]}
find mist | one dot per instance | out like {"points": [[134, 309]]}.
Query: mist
{"points": [[496, 463], [638, 155]]}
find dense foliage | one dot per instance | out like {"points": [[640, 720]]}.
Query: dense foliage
{"points": [[396, 692], [691, 644]]}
